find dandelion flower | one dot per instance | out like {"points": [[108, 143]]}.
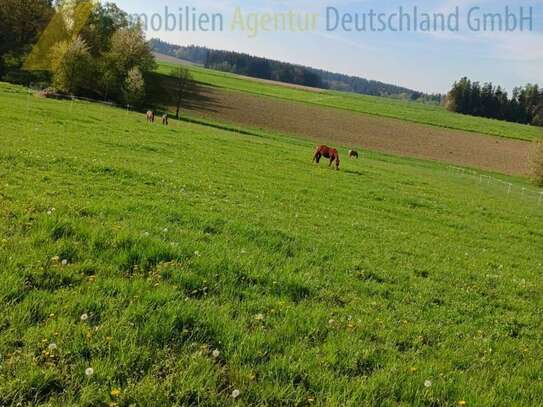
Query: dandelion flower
{"points": [[52, 347], [115, 392], [331, 322], [84, 317], [461, 403], [259, 317], [216, 353], [427, 383], [413, 369], [89, 371], [165, 230], [235, 394], [64, 262], [55, 259]]}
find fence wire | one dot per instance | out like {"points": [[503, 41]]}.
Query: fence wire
{"points": [[508, 188]]}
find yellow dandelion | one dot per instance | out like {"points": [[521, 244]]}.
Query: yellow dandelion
{"points": [[413, 369], [461, 403], [115, 392]]}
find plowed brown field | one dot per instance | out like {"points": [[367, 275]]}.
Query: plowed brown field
{"points": [[337, 127]]}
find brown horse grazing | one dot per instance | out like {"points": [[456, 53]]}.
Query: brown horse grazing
{"points": [[150, 116], [353, 154], [165, 120], [327, 152]]}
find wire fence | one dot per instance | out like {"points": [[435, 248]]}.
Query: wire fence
{"points": [[506, 187]]}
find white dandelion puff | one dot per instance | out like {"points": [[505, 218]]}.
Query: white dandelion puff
{"points": [[84, 317], [52, 347], [216, 353], [89, 371], [427, 383], [64, 262], [235, 394]]}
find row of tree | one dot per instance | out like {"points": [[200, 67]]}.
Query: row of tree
{"points": [[524, 106], [248, 65], [89, 48]]}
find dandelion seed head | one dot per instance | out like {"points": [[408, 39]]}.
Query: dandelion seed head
{"points": [[89, 371], [84, 317], [64, 262], [235, 394], [52, 347], [216, 353], [427, 383]]}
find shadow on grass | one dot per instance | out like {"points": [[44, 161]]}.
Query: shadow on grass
{"points": [[198, 97]]}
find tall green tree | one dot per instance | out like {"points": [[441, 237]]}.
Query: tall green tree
{"points": [[71, 63], [21, 22], [134, 88]]}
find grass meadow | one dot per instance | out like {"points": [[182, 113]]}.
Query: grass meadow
{"points": [[142, 265], [378, 106]]}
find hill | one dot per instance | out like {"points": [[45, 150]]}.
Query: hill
{"points": [[263, 68], [435, 116], [191, 265]]}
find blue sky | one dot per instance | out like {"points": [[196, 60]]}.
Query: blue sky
{"points": [[430, 62]]}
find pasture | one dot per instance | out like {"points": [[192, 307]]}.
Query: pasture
{"points": [[188, 265], [377, 106]]}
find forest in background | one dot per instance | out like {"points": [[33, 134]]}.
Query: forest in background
{"points": [[263, 68], [524, 106]]}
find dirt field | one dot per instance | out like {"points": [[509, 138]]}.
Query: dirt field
{"points": [[338, 127]]}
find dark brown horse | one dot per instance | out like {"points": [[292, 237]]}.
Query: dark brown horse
{"points": [[327, 152], [353, 154]]}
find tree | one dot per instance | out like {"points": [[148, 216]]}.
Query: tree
{"points": [[103, 22], [181, 86], [129, 49], [71, 62], [21, 21], [134, 87]]}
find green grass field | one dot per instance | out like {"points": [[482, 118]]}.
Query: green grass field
{"points": [[385, 107], [187, 263]]}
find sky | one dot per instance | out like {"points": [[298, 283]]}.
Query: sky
{"points": [[425, 61]]}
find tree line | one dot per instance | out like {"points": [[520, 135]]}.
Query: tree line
{"points": [[106, 57], [524, 106], [263, 68]]}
